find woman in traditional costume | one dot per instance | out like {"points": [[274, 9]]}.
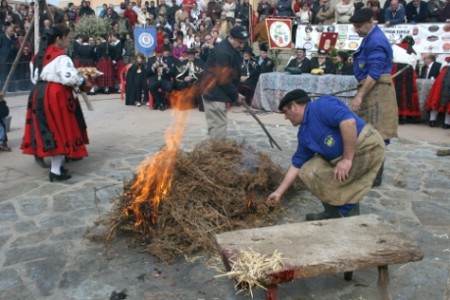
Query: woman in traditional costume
{"points": [[405, 83], [55, 125], [136, 82], [439, 97]]}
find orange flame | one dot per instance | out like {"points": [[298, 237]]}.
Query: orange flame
{"points": [[155, 174]]}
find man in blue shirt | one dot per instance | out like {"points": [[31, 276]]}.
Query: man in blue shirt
{"points": [[375, 102], [338, 154]]}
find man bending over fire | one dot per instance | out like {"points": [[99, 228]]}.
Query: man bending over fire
{"points": [[337, 157]]}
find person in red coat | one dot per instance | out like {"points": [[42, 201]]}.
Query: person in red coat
{"points": [[131, 15], [438, 99], [55, 125], [406, 86]]}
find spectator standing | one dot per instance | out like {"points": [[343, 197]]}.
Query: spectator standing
{"points": [[124, 24], [417, 12], [207, 47], [131, 15], [445, 13], [395, 14], [8, 52], [249, 74], [104, 65], [143, 16], [229, 9], [284, 8], [344, 10], [325, 15], [439, 98], [243, 12], [85, 9], [4, 112], [116, 54], [261, 32], [435, 8], [111, 16], [102, 13], [136, 80], [128, 48]]}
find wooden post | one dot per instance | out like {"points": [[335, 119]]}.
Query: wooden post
{"points": [[383, 283], [36, 26], [16, 60]]}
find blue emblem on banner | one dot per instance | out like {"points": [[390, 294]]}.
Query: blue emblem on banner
{"points": [[145, 40]]}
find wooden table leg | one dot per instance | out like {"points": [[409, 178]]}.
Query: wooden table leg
{"points": [[383, 282], [272, 292]]}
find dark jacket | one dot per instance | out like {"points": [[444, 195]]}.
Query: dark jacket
{"points": [[163, 74], [304, 66], [413, 17], [8, 48], [434, 71], [221, 57], [266, 65], [328, 67]]}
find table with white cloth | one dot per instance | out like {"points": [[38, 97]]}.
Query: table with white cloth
{"points": [[273, 86]]}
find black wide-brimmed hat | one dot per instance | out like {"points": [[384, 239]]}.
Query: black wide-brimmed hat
{"points": [[298, 95], [239, 32], [190, 51], [362, 15]]}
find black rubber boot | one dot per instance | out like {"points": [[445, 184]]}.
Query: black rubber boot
{"points": [[379, 178], [330, 212]]}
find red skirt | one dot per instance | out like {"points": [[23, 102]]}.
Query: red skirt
{"points": [[54, 123], [106, 67], [434, 98], [406, 92], [117, 69]]}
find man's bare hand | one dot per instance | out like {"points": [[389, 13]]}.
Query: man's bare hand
{"points": [[273, 199], [356, 103], [342, 170]]}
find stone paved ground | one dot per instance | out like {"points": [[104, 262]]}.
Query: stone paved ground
{"points": [[44, 252]]}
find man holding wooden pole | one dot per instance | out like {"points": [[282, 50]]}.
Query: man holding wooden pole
{"points": [[375, 102]]}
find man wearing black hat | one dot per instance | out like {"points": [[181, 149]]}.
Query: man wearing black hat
{"points": [[323, 62], [265, 63], [224, 69], [375, 101], [249, 74], [300, 62], [337, 157], [189, 71]]}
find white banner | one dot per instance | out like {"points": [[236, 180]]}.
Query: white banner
{"points": [[429, 37]]}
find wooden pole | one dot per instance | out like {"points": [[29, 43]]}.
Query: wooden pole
{"points": [[16, 60], [36, 26]]}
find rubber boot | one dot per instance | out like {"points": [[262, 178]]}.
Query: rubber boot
{"points": [[330, 212], [379, 178]]}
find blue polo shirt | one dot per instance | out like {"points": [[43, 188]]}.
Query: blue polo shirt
{"points": [[373, 57], [319, 133]]}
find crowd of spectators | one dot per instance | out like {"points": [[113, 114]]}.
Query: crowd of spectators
{"points": [[184, 24]]}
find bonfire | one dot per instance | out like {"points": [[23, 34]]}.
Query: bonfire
{"points": [[178, 200]]}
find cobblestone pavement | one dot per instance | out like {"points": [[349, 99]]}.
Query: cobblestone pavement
{"points": [[44, 252]]}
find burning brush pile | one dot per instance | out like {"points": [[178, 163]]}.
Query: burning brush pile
{"points": [[178, 200]]}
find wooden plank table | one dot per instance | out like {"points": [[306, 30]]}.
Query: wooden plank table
{"points": [[316, 248]]}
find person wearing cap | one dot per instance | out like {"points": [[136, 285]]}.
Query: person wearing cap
{"points": [[300, 61], [337, 157], [249, 74], [266, 64], [224, 67], [189, 71], [323, 62], [160, 73], [375, 101], [342, 65]]}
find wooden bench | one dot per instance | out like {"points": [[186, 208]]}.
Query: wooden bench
{"points": [[323, 247]]}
